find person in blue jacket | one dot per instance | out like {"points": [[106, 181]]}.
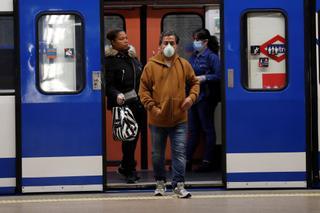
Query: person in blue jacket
{"points": [[206, 64]]}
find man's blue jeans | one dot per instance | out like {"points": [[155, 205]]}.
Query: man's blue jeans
{"points": [[177, 135]]}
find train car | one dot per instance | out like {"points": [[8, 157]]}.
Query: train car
{"points": [[55, 131]]}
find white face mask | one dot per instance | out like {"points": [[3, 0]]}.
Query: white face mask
{"points": [[168, 51]]}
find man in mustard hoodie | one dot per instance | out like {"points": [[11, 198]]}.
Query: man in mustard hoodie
{"points": [[163, 93]]}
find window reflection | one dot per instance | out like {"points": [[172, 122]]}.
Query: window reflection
{"points": [[266, 51], [60, 53]]}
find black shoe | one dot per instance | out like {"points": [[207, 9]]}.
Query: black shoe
{"points": [[205, 167], [122, 172], [132, 178]]}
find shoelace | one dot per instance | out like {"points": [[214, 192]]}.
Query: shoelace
{"points": [[160, 187], [181, 189]]}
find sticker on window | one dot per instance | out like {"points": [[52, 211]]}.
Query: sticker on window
{"points": [[69, 52], [52, 53]]}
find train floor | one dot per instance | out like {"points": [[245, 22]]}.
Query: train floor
{"points": [[220, 201], [193, 179]]}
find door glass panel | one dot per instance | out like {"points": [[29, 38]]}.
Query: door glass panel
{"points": [[61, 67], [265, 51], [7, 71], [183, 25]]}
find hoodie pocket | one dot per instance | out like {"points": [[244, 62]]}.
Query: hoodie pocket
{"points": [[176, 111], [161, 110], [165, 110]]}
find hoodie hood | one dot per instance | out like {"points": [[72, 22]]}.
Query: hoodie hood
{"points": [[159, 58], [109, 51]]}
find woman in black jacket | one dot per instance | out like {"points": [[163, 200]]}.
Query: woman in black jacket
{"points": [[123, 71]]}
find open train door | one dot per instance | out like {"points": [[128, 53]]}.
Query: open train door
{"points": [[61, 137], [265, 101]]}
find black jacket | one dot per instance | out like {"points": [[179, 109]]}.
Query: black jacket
{"points": [[123, 71]]}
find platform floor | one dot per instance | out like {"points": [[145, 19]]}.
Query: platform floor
{"points": [[265, 201]]}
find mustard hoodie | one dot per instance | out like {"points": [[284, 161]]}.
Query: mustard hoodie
{"points": [[163, 90]]}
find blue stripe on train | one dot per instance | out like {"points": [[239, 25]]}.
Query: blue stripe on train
{"points": [[72, 180], [7, 167], [7, 190], [266, 176]]}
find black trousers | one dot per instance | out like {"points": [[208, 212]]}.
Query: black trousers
{"points": [[128, 162]]}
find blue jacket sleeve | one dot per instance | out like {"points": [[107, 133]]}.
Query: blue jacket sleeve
{"points": [[215, 71]]}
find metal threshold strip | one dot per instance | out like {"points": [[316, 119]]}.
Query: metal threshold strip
{"points": [[193, 180], [151, 185]]}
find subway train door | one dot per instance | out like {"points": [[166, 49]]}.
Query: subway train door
{"points": [[265, 94], [61, 137], [143, 25]]}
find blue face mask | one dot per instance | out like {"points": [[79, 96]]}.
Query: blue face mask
{"points": [[197, 45]]}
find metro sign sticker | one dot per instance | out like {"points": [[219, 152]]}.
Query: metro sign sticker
{"points": [[275, 51]]}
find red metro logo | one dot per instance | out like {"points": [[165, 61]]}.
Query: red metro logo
{"points": [[275, 48]]}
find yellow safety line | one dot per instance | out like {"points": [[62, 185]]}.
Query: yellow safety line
{"points": [[214, 196]]}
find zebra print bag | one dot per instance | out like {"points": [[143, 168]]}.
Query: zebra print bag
{"points": [[124, 126]]}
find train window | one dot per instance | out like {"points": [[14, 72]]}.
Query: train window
{"points": [[7, 54], [61, 63], [184, 24], [265, 51], [113, 22]]}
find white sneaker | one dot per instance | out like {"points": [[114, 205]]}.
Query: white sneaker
{"points": [[160, 188], [181, 192]]}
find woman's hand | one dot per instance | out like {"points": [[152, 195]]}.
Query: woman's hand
{"points": [[120, 99], [201, 78]]}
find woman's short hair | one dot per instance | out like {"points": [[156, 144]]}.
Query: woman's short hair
{"points": [[112, 34]]}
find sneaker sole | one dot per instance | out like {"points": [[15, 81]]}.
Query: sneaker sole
{"points": [[160, 193], [184, 197]]}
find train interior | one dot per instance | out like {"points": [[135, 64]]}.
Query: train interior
{"points": [[184, 20]]}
